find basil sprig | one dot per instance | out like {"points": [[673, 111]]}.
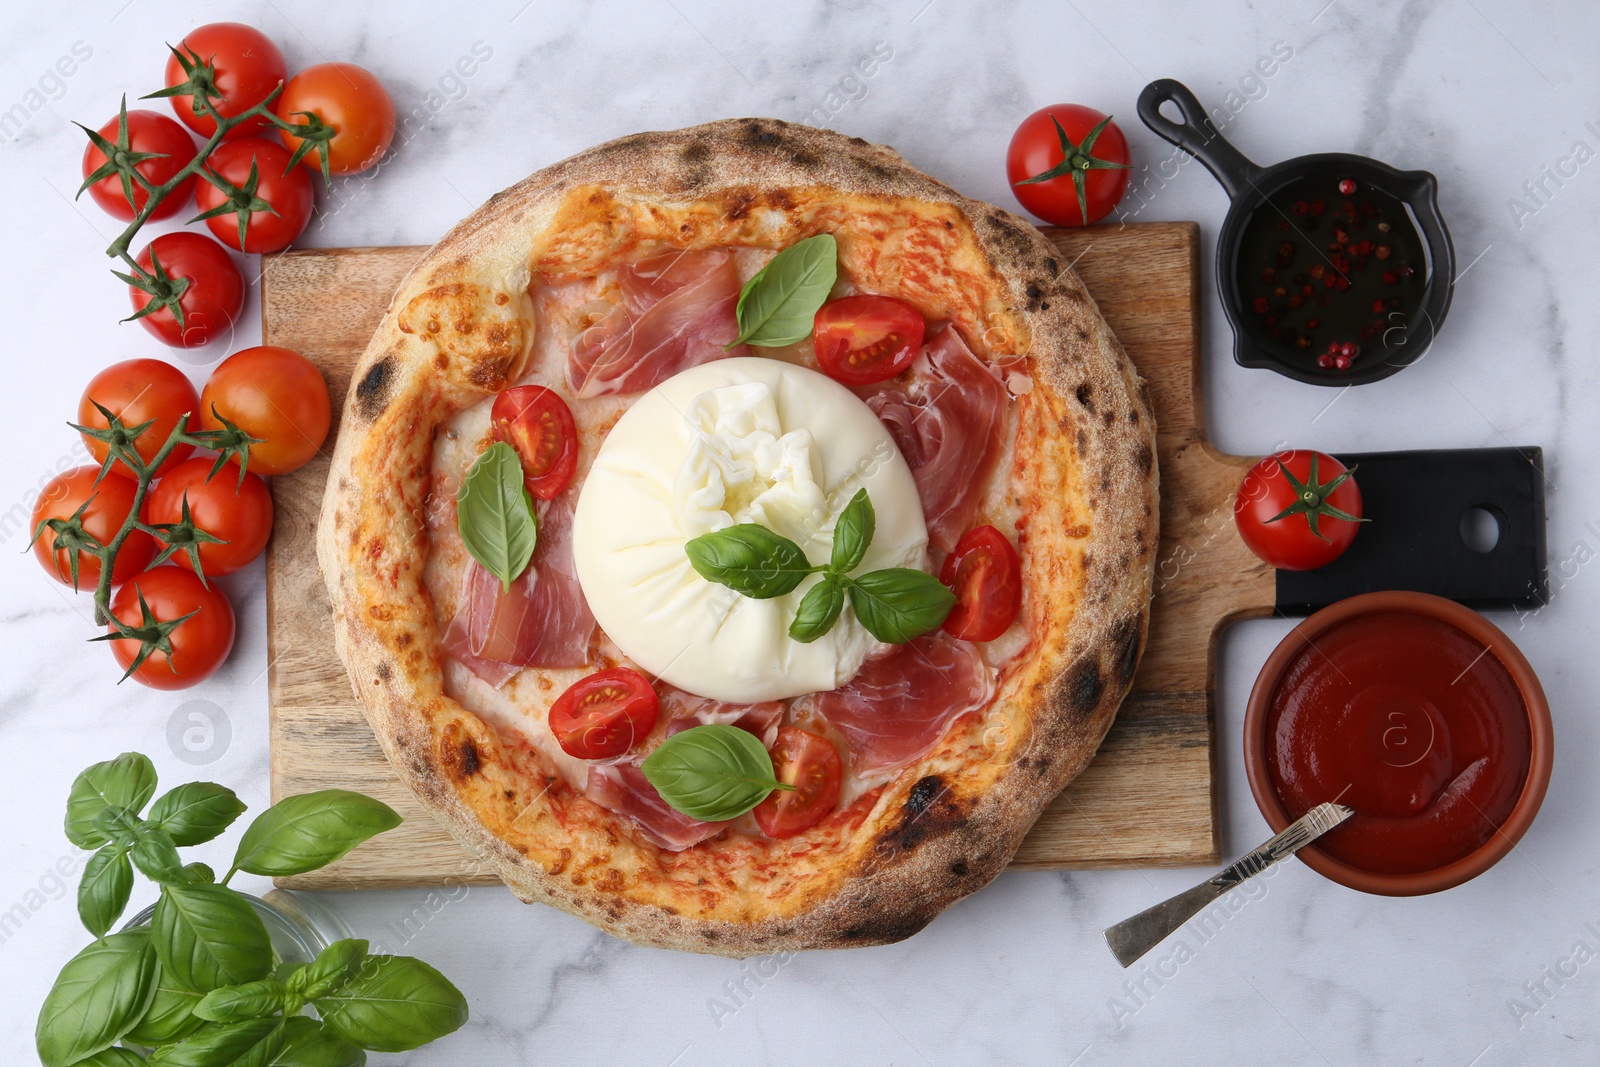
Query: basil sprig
{"points": [[779, 303], [197, 985], [494, 512], [712, 773], [895, 604]]}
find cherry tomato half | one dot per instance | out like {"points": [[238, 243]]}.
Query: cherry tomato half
{"points": [[148, 132], [1298, 510], [274, 394], [109, 504], [212, 300], [199, 643], [248, 67], [1036, 149], [291, 195], [985, 574], [538, 424], [605, 714], [238, 512], [349, 99], [864, 339], [136, 391], [811, 764]]}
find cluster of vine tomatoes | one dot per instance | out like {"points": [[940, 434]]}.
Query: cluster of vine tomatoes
{"points": [[274, 395], [255, 156]]}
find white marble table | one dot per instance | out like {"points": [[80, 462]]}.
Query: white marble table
{"points": [[1485, 93]]}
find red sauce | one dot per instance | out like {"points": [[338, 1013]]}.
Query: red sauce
{"points": [[1414, 725]]}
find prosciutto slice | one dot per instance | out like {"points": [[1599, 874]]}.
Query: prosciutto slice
{"points": [[677, 311], [622, 788], [900, 704], [948, 426], [684, 711], [543, 621]]}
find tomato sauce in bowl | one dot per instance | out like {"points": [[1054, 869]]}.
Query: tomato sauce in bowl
{"points": [[1421, 716]]}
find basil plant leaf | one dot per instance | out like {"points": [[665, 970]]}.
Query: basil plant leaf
{"points": [[113, 1057], [749, 559], [198, 873], [899, 603], [819, 610], [251, 1000], [196, 812], [328, 971], [712, 773], [305, 832], [778, 305], [308, 1043], [170, 1016], [495, 515], [249, 1041], [210, 936], [394, 1004], [853, 533], [103, 893], [129, 781], [155, 855], [98, 996]]}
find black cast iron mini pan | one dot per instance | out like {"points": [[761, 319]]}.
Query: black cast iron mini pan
{"points": [[1295, 294]]}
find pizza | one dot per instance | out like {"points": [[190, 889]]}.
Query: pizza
{"points": [[603, 573]]}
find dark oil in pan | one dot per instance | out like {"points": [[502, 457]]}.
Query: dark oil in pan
{"points": [[1330, 268]]}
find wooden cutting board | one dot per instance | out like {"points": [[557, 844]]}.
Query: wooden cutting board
{"points": [[1149, 797]]}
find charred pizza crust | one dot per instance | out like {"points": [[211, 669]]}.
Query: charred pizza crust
{"points": [[1082, 473]]}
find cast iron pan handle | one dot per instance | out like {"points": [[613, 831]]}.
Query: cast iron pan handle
{"points": [[1196, 135]]}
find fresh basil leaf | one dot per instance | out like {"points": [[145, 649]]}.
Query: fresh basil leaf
{"points": [[852, 533], [196, 812], [103, 892], [97, 997], [251, 1000], [819, 610], [209, 936], [899, 603], [324, 975], [250, 1042], [749, 559], [129, 781], [301, 833], [310, 1044], [198, 874], [113, 1057], [778, 305], [120, 826], [711, 773], [495, 515], [170, 1016], [394, 1004], [155, 855]]}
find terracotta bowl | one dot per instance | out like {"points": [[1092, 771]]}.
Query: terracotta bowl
{"points": [[1256, 742]]}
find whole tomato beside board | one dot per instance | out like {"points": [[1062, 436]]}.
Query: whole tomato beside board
{"points": [[1298, 510], [1068, 164]]}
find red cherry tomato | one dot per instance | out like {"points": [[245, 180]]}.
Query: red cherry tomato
{"points": [[148, 132], [238, 512], [1281, 496], [136, 391], [538, 424], [349, 99], [199, 644], [605, 714], [864, 339], [212, 300], [291, 195], [109, 504], [1036, 149], [248, 66], [811, 764], [985, 574], [274, 394]]}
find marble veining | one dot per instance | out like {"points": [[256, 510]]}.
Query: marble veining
{"points": [[1492, 96]]}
